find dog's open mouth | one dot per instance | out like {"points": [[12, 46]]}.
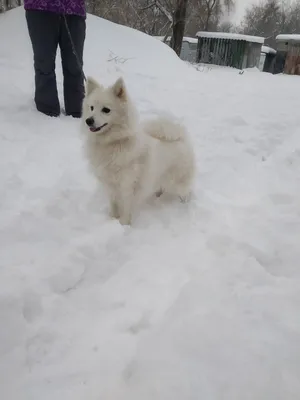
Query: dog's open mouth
{"points": [[94, 129]]}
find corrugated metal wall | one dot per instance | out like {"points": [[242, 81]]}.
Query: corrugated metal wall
{"points": [[228, 52]]}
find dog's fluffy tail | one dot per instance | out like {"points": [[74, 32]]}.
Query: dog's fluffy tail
{"points": [[165, 129]]}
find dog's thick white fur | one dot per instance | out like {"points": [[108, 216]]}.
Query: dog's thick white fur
{"points": [[134, 161]]}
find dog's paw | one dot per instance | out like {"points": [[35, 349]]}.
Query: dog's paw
{"points": [[114, 215], [125, 220], [113, 212]]}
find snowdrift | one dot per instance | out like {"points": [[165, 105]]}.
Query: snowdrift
{"points": [[106, 43], [197, 301]]}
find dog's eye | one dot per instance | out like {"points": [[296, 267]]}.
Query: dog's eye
{"points": [[106, 110], [92, 108]]}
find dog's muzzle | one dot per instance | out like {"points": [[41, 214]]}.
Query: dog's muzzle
{"points": [[94, 129], [91, 124]]}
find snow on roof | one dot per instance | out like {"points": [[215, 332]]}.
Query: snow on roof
{"points": [[288, 38], [185, 39], [233, 36], [267, 50]]}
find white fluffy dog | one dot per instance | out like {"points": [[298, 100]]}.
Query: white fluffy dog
{"points": [[134, 161]]}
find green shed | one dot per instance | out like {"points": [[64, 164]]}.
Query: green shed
{"points": [[229, 49]]}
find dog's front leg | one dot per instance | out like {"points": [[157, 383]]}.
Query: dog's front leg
{"points": [[126, 213], [114, 208], [126, 208]]}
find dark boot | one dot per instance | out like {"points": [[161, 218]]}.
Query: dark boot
{"points": [[72, 67], [44, 32]]}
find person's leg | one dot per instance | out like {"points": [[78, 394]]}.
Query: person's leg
{"points": [[44, 31], [73, 76]]}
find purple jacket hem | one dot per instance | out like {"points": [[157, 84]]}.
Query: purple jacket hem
{"points": [[70, 7]]}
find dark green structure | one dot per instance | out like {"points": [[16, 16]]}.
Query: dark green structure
{"points": [[229, 49]]}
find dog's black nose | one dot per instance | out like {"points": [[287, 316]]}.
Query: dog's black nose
{"points": [[90, 121]]}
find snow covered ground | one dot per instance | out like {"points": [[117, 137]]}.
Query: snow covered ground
{"points": [[197, 302]]}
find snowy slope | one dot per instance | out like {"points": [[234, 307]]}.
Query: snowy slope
{"points": [[193, 302]]}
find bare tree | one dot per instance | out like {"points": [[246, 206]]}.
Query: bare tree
{"points": [[227, 26], [210, 6], [271, 18], [207, 15], [6, 5], [179, 19], [157, 17], [292, 21]]}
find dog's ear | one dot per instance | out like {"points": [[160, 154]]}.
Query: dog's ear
{"points": [[119, 89], [90, 85]]}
